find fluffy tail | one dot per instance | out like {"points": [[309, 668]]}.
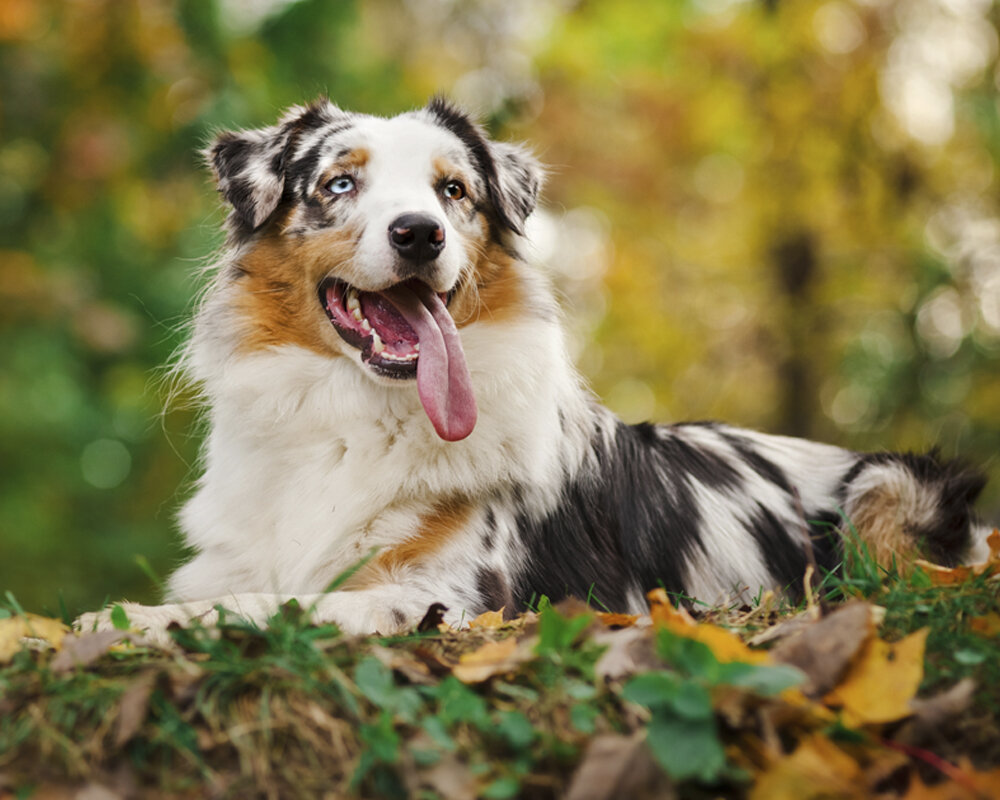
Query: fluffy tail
{"points": [[907, 506]]}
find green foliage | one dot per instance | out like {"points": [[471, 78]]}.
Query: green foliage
{"points": [[683, 734]]}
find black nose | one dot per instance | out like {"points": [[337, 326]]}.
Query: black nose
{"points": [[416, 237]]}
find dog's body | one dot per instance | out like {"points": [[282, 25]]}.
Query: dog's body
{"points": [[476, 462]]}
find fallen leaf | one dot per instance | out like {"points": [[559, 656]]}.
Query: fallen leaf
{"points": [[930, 714], [663, 612], [85, 649], [883, 679], [726, 646], [134, 706], [615, 766], [493, 658], [628, 650], [783, 629], [967, 784], [948, 576], [617, 620], [987, 625], [451, 779], [14, 630], [488, 620], [817, 769], [993, 540], [823, 650], [405, 663]]}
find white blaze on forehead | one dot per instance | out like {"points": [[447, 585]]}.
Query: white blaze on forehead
{"points": [[402, 157], [400, 176]]}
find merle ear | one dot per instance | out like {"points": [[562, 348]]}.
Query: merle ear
{"points": [[250, 172], [249, 166], [516, 184], [513, 176]]}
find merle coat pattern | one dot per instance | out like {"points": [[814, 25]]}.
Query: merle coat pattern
{"points": [[384, 372]]}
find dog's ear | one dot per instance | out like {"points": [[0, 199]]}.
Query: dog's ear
{"points": [[517, 184], [513, 176], [249, 166]]}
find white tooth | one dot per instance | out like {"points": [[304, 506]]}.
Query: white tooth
{"points": [[352, 300], [377, 345], [416, 347], [366, 326], [357, 314]]}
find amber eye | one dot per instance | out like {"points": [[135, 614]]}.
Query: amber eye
{"points": [[454, 190], [342, 184]]}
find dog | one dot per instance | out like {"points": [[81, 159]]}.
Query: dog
{"points": [[386, 377]]}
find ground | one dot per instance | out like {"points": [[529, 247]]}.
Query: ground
{"points": [[880, 684]]}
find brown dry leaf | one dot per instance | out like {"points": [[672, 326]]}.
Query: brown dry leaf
{"points": [[405, 663], [987, 625], [134, 706], [973, 786], [948, 576], [85, 649], [617, 620], [817, 769], [14, 630], [824, 649], [993, 540], [614, 767], [629, 650], [882, 681], [488, 620], [930, 714], [493, 658]]}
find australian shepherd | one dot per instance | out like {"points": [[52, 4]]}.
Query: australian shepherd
{"points": [[384, 373]]}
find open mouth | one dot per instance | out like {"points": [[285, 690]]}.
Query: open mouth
{"points": [[405, 331]]}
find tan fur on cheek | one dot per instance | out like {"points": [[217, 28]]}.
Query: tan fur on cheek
{"points": [[279, 282], [494, 292]]}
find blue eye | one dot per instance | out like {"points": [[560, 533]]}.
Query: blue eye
{"points": [[341, 185]]}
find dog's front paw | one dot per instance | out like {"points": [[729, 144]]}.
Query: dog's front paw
{"points": [[151, 621]]}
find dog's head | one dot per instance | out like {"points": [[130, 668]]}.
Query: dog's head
{"points": [[368, 237]]}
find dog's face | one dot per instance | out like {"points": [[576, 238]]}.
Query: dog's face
{"points": [[371, 238]]}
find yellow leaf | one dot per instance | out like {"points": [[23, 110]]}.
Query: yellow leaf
{"points": [[882, 680], [14, 630], [724, 645], [987, 625], [817, 769], [662, 610], [493, 658], [490, 620]]}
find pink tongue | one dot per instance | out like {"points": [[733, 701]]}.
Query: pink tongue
{"points": [[443, 381]]}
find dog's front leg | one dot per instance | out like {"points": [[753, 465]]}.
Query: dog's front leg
{"points": [[385, 609]]}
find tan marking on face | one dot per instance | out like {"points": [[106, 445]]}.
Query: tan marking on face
{"points": [[494, 291], [356, 159], [279, 284], [434, 529], [443, 168]]}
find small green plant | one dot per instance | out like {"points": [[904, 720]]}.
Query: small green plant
{"points": [[683, 734]]}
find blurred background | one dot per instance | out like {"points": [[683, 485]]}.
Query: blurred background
{"points": [[781, 214]]}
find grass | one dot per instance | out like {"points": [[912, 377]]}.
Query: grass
{"points": [[298, 710]]}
